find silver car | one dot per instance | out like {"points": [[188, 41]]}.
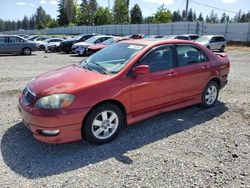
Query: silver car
{"points": [[11, 44], [213, 42]]}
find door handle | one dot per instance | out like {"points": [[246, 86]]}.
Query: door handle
{"points": [[205, 67], [172, 74]]}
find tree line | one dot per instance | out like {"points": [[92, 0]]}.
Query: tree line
{"points": [[88, 12]]}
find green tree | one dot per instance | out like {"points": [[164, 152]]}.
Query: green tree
{"points": [[190, 15], [176, 16], [87, 12], [162, 15], [26, 23], [52, 23], [67, 12], [223, 18], [102, 16], [136, 14], [41, 18], [200, 18], [121, 11]]}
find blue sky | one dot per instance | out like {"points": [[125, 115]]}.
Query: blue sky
{"points": [[16, 9]]}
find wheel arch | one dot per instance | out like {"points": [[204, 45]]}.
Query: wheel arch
{"points": [[108, 101], [216, 80], [26, 47]]}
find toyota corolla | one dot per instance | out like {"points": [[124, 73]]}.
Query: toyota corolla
{"points": [[120, 85]]}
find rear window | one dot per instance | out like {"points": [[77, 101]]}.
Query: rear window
{"points": [[188, 55]]}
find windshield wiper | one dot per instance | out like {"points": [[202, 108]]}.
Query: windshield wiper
{"points": [[101, 69], [85, 65]]}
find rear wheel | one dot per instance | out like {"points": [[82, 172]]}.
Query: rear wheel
{"points": [[103, 124], [26, 51], [210, 94]]}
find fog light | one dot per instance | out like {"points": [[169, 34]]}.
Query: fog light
{"points": [[50, 132]]}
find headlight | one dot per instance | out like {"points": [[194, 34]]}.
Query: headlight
{"points": [[55, 101]]}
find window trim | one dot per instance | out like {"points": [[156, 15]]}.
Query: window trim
{"points": [[194, 46]]}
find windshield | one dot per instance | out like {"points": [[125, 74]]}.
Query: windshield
{"points": [[78, 37], [169, 36], [92, 40], [113, 58], [203, 39], [109, 41]]}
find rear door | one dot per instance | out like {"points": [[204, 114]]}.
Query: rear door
{"points": [[13, 44], [193, 70], [3, 45], [213, 43], [160, 86]]}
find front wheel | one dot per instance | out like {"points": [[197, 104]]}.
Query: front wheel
{"points": [[103, 124], [210, 94]]}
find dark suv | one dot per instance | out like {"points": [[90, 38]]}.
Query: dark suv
{"points": [[11, 44], [66, 45]]}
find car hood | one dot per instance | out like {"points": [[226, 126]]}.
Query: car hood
{"points": [[65, 80], [82, 44], [69, 41], [203, 43], [53, 44], [97, 46]]}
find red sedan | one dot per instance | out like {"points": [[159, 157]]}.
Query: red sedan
{"points": [[122, 84]]}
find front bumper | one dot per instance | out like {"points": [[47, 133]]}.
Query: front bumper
{"points": [[69, 122]]}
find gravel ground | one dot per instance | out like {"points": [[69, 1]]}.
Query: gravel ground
{"points": [[190, 147]]}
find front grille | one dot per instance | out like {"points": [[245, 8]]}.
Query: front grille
{"points": [[29, 96]]}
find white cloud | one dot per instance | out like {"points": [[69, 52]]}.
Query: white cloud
{"points": [[53, 2], [32, 4], [20, 3], [229, 1], [165, 2], [43, 1]]}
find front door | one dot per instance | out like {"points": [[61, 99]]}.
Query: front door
{"points": [[158, 87]]}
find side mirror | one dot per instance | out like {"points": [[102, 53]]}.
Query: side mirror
{"points": [[141, 69]]}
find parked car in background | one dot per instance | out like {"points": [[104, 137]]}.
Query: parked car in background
{"points": [[136, 36], [33, 37], [53, 45], [96, 47], [80, 47], [66, 45], [152, 36], [181, 37], [23, 35], [120, 85], [11, 44], [42, 44], [193, 37], [213, 42]]}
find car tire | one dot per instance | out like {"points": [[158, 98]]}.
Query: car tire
{"points": [[103, 124], [210, 95], [26, 51], [222, 49]]}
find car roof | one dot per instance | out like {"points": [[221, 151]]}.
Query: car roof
{"points": [[153, 42], [210, 36]]}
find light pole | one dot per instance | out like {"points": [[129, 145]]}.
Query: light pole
{"points": [[187, 10]]}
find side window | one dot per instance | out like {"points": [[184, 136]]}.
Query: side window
{"points": [[189, 55], [2, 40], [221, 39], [13, 40], [213, 39], [159, 59]]}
